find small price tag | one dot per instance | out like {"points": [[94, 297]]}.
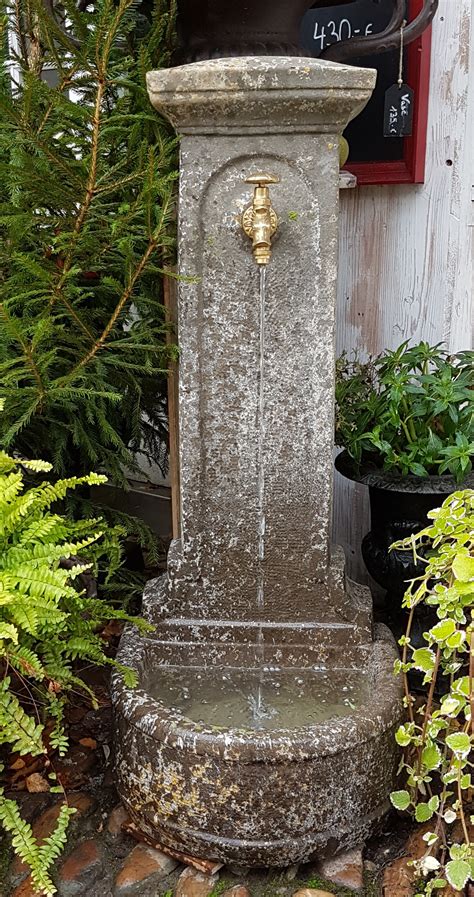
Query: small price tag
{"points": [[398, 112]]}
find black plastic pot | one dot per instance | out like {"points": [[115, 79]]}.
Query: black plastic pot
{"points": [[398, 508]]}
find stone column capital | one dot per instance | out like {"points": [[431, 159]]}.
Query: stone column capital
{"points": [[261, 95]]}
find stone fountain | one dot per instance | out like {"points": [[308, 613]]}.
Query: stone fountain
{"points": [[261, 730]]}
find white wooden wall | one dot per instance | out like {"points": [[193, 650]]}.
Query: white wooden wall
{"points": [[406, 252]]}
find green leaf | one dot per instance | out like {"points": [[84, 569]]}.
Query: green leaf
{"points": [[458, 851], [458, 873], [450, 706], [443, 630], [423, 813], [463, 567], [431, 757], [459, 743], [418, 469], [462, 686], [400, 800], [456, 639], [424, 659], [402, 737]]}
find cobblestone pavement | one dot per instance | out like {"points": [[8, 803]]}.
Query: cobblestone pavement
{"points": [[103, 860]]}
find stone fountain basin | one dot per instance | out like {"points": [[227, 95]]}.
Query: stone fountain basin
{"points": [[252, 797]]}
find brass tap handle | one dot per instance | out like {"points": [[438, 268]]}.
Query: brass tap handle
{"points": [[260, 221], [262, 180]]}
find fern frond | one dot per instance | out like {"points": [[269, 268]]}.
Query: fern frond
{"points": [[18, 729], [26, 661]]}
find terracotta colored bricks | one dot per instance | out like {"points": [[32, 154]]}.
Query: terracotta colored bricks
{"points": [[81, 866], [45, 824], [142, 863], [195, 884]]}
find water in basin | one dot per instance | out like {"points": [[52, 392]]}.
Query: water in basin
{"points": [[258, 699]]}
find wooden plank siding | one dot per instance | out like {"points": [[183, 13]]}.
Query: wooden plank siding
{"points": [[406, 252]]}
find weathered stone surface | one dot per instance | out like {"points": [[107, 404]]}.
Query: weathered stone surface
{"points": [[320, 775], [117, 819], [251, 581], [345, 869], [282, 94], [237, 891], [220, 331], [142, 863], [192, 883], [80, 869], [312, 892]]}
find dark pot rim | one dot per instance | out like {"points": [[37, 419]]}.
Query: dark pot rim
{"points": [[369, 474]]}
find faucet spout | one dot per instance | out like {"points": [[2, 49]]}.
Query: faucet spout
{"points": [[260, 221]]}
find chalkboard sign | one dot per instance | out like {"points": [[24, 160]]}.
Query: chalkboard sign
{"points": [[376, 158], [324, 26]]}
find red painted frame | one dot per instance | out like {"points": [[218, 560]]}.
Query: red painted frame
{"points": [[411, 169]]}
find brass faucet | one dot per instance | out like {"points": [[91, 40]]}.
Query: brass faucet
{"points": [[260, 221]]}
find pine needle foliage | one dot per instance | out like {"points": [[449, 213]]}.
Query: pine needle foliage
{"points": [[87, 185], [48, 623]]}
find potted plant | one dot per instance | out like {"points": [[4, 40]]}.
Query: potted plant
{"points": [[438, 735], [406, 422]]}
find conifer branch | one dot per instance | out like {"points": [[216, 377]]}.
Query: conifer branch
{"points": [[125, 297], [90, 187], [66, 81], [58, 292], [28, 355], [20, 31], [91, 181]]}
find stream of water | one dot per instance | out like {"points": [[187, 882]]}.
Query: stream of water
{"points": [[261, 444], [259, 708]]}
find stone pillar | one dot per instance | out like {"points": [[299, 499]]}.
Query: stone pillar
{"points": [[256, 406]]}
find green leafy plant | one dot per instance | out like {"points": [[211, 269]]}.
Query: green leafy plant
{"points": [[87, 185], [410, 411], [49, 622], [438, 738]]}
